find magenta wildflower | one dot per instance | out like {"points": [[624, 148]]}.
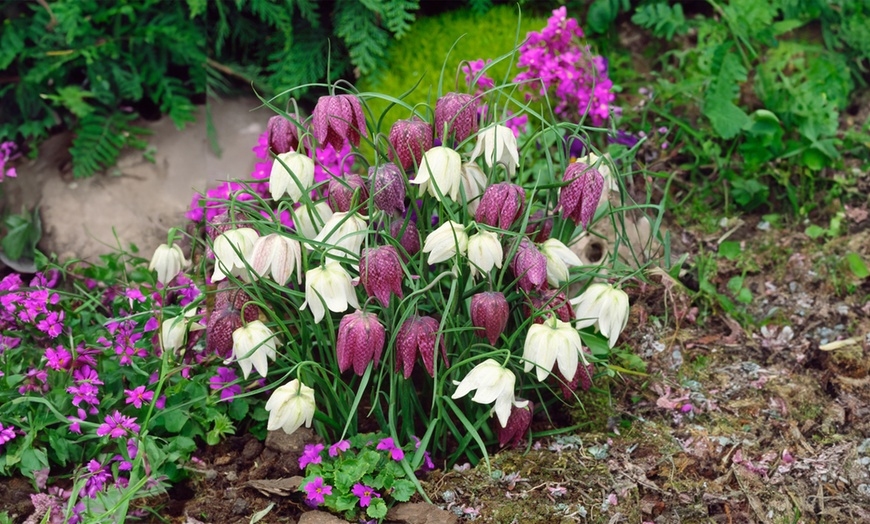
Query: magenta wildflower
{"points": [[338, 447], [316, 490], [35, 380], [151, 324], [97, 480], [474, 75], [138, 396], [428, 465], [311, 455], [388, 445], [125, 340], [223, 382], [117, 425], [8, 151], [6, 434], [52, 324], [59, 359], [365, 494], [75, 422]]}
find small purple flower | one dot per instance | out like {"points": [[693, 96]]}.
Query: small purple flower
{"points": [[151, 324], [388, 445], [417, 335], [97, 480], [282, 135], [222, 381], [117, 425], [316, 490], [75, 422], [59, 359], [311, 455], [339, 447], [365, 494], [387, 188], [529, 266], [6, 434], [138, 396], [410, 139]]}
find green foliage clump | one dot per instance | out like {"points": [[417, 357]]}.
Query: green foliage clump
{"points": [[417, 59], [754, 86]]}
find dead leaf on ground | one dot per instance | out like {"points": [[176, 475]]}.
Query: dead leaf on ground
{"points": [[282, 487]]}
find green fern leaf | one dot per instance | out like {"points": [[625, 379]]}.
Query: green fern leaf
{"points": [[97, 143], [719, 107], [399, 15], [662, 19], [358, 27]]}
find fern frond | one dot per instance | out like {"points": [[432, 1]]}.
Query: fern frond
{"points": [[358, 27], [99, 140], [399, 15]]}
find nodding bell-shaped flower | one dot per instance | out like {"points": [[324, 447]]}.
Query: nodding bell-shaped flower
{"points": [[445, 242], [484, 252], [539, 226], [417, 335], [529, 266], [603, 306], [173, 330], [342, 189], [457, 112], [168, 261], [282, 134], [231, 250], [409, 138], [290, 406], [440, 168], [559, 257], [493, 384], [489, 310], [344, 230], [408, 236], [501, 205], [309, 220], [579, 199], [227, 317], [279, 255], [338, 119], [607, 169], [328, 285], [498, 145], [518, 424], [253, 345], [387, 188], [549, 343], [292, 173], [360, 341], [473, 184], [552, 302], [380, 272]]}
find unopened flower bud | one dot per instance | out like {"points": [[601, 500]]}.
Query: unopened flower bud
{"points": [[579, 199], [407, 235], [417, 335], [458, 113], [380, 272], [410, 138], [342, 189], [338, 119], [360, 341], [489, 310], [387, 188], [529, 267], [282, 134], [501, 205]]}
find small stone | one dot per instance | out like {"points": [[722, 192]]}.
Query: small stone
{"points": [[320, 517], [284, 443], [252, 450], [240, 506], [418, 513]]}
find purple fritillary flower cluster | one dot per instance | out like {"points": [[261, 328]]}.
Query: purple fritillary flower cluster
{"points": [[311, 455], [223, 381], [117, 425], [557, 63]]}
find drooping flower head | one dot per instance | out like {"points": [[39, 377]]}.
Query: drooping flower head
{"points": [[290, 406], [279, 255], [344, 231], [168, 261], [339, 119], [498, 145], [579, 199], [493, 383], [445, 242], [604, 306], [550, 302], [328, 287], [484, 252], [380, 272], [559, 258], [473, 181], [360, 341], [457, 113], [408, 236], [502, 204], [582, 378], [292, 173], [253, 345], [489, 310], [539, 226], [387, 188], [417, 335], [440, 173], [409, 139], [552, 342], [529, 266], [517, 426], [232, 250], [342, 190], [282, 134]]}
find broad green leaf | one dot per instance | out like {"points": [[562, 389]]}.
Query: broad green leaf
{"points": [[857, 265], [729, 249]]}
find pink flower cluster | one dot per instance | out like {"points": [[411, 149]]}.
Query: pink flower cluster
{"points": [[20, 306], [8, 151], [558, 63]]}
